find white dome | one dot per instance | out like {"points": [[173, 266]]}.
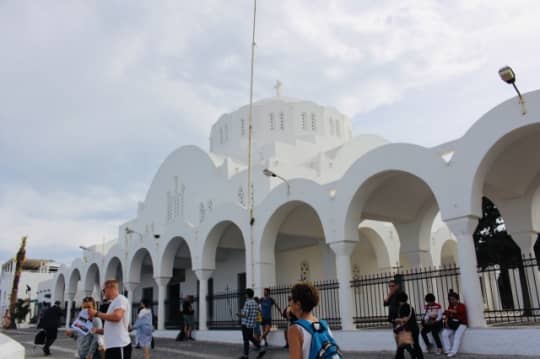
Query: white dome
{"points": [[277, 120]]}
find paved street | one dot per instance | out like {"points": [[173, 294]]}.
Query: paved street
{"points": [[167, 348]]}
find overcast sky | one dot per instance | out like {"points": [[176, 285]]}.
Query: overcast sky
{"points": [[95, 94]]}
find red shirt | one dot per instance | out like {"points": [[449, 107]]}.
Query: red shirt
{"points": [[461, 313]]}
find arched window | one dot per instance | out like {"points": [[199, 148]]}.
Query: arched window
{"points": [[271, 119], [242, 127], [304, 271]]}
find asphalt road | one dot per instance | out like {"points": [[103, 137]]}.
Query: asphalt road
{"points": [[64, 347]]}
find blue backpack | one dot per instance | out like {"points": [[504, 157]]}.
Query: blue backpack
{"points": [[323, 345]]}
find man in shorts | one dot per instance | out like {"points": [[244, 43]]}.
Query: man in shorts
{"points": [[266, 303]]}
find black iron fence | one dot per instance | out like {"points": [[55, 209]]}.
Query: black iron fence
{"points": [[222, 309], [370, 291], [511, 295], [328, 308]]}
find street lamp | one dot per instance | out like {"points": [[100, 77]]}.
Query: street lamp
{"points": [[508, 75], [269, 173], [132, 231]]}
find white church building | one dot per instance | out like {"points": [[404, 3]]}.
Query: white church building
{"points": [[342, 209]]}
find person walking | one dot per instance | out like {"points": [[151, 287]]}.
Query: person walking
{"points": [[50, 323], [248, 317], [406, 322], [189, 317], [455, 323], [432, 323], [144, 328], [309, 337], [116, 328], [267, 302], [391, 300], [87, 345], [291, 318]]}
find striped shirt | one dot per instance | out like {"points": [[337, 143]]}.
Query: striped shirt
{"points": [[249, 313]]}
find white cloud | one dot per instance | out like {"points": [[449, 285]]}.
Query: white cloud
{"points": [[95, 95]]}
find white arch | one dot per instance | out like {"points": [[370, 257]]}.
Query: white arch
{"points": [[380, 247], [136, 262], [480, 146], [74, 279], [265, 252], [91, 277], [377, 166], [449, 252], [60, 287], [211, 231]]}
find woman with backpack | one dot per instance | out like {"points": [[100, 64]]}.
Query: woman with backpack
{"points": [[309, 337]]}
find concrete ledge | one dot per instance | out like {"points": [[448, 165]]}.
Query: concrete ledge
{"points": [[493, 341], [10, 348]]}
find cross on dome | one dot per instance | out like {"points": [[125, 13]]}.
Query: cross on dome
{"points": [[277, 86]]}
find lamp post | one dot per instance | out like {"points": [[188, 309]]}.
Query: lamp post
{"points": [[269, 173], [509, 76], [250, 153]]}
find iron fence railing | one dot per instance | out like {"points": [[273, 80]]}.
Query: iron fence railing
{"points": [[222, 310], [370, 291], [511, 295]]}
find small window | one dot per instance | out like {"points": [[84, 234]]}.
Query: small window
{"points": [[242, 127], [303, 119], [305, 273], [313, 122], [272, 124], [281, 121]]}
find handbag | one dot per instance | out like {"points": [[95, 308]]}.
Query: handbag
{"points": [[404, 337]]}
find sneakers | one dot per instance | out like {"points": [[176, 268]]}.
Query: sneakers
{"points": [[261, 354], [451, 355], [438, 351]]}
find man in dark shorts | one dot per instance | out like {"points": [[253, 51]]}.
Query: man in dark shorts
{"points": [[266, 303]]}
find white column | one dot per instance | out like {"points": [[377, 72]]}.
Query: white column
{"points": [[130, 287], [162, 294], [343, 252], [463, 229], [71, 296], [203, 275]]}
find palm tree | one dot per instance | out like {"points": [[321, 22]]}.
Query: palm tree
{"points": [[20, 258]]}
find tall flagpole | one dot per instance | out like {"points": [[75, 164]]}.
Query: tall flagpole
{"points": [[250, 154]]}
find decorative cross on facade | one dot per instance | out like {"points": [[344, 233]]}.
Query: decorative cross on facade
{"points": [[277, 86]]}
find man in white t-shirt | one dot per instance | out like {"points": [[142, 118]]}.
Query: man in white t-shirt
{"points": [[115, 329]]}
